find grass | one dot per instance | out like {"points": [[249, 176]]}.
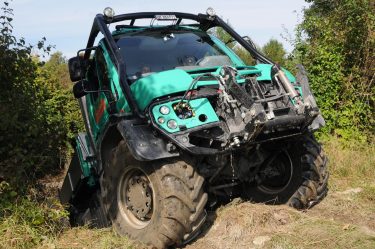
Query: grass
{"points": [[350, 163], [83, 237], [345, 219], [321, 233], [29, 218]]}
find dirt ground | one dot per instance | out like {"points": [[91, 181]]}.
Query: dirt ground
{"points": [[344, 219], [338, 222]]}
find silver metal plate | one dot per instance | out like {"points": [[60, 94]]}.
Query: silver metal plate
{"points": [[165, 17]]}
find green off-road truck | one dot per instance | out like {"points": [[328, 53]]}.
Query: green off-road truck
{"points": [[176, 122]]}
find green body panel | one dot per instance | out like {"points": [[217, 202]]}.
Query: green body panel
{"points": [[199, 106], [160, 84], [121, 103], [97, 109], [93, 108], [266, 73], [242, 70], [165, 83], [86, 165]]}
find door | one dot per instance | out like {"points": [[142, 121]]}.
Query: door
{"points": [[97, 102]]}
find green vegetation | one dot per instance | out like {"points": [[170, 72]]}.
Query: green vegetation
{"points": [[275, 50], [39, 118], [237, 48], [335, 42], [28, 219], [39, 114]]}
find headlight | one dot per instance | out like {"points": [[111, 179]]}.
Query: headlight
{"points": [[109, 12], [211, 12], [161, 120], [172, 124], [164, 110]]}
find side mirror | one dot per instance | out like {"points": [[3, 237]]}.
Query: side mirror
{"points": [[80, 89], [75, 69]]}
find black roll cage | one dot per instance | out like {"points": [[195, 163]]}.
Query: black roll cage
{"points": [[205, 22]]}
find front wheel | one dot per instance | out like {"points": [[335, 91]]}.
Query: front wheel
{"points": [[295, 173], [160, 203]]}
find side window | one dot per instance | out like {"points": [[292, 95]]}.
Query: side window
{"points": [[92, 77], [102, 70]]}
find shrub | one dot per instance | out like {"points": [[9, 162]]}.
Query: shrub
{"points": [[336, 43]]}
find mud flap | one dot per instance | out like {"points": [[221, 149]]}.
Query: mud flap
{"points": [[308, 97], [79, 176], [71, 181]]}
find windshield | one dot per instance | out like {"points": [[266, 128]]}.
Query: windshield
{"points": [[157, 50]]}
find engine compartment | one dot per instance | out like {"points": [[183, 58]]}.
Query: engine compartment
{"points": [[238, 110]]}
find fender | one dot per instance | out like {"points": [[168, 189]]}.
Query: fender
{"points": [[142, 142]]}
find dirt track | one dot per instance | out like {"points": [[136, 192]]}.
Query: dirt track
{"points": [[345, 219], [338, 222]]}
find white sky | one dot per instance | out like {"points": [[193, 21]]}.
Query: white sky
{"points": [[67, 23]]}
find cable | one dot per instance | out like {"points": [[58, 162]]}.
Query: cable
{"points": [[192, 85]]}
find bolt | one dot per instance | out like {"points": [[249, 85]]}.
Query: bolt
{"points": [[246, 136], [236, 141], [252, 112]]}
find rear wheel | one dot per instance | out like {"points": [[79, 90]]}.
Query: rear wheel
{"points": [[295, 174], [159, 203]]}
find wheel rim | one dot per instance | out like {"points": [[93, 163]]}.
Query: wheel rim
{"points": [[135, 198], [276, 174]]}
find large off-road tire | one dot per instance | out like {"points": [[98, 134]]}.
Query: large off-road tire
{"points": [[160, 203], [297, 172]]}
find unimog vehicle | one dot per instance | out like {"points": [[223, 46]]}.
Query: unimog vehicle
{"points": [[176, 122]]}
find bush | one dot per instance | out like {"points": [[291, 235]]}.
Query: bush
{"points": [[39, 116], [38, 113], [26, 221], [336, 43]]}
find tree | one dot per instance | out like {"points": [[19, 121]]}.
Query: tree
{"points": [[232, 44], [336, 43], [37, 111], [57, 69], [275, 51]]}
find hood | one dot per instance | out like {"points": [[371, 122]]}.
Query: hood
{"points": [[165, 83]]}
